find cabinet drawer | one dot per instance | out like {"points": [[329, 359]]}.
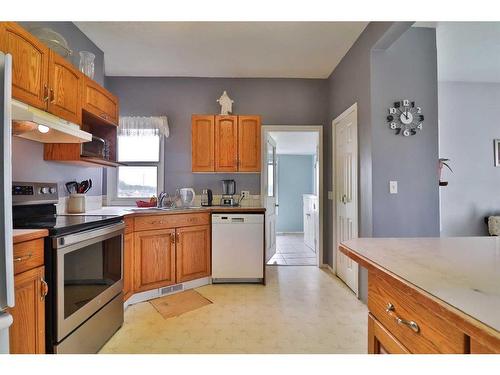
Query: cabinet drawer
{"points": [[170, 221], [28, 255], [395, 306], [381, 341]]}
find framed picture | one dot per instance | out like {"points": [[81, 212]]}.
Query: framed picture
{"points": [[496, 144]]}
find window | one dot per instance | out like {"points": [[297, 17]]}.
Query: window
{"points": [[140, 149]]}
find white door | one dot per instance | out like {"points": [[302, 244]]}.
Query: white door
{"points": [[346, 187], [270, 189]]}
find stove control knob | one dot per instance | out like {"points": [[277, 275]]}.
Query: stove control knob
{"points": [[44, 190], [52, 190]]}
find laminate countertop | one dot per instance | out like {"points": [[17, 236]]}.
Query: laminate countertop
{"points": [[22, 235], [463, 272], [128, 210]]}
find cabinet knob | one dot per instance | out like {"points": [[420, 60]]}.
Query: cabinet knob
{"points": [[52, 96], [402, 322], [172, 238], [25, 257], [45, 93]]}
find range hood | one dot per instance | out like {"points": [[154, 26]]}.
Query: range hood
{"points": [[37, 125]]}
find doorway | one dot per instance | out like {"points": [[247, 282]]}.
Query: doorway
{"points": [[291, 185], [345, 183]]}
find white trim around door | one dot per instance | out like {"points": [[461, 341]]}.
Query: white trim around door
{"points": [[299, 128]]}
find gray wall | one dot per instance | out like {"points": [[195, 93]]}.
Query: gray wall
{"points": [[401, 73], [278, 101], [466, 133], [27, 156], [295, 178]]}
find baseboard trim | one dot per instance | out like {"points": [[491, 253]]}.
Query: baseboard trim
{"points": [[156, 293]]}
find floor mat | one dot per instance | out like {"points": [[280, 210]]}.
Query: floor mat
{"points": [[179, 303]]}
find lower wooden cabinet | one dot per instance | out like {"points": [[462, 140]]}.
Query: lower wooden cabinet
{"points": [[128, 265], [193, 253], [381, 341], [154, 259], [27, 333]]}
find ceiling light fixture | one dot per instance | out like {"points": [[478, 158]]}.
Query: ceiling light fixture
{"points": [[43, 129]]}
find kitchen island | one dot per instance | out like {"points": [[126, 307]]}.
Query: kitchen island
{"points": [[431, 295]]}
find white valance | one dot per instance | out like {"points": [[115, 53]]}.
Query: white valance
{"points": [[140, 125]]}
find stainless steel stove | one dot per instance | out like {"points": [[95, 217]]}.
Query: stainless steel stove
{"points": [[83, 268]]}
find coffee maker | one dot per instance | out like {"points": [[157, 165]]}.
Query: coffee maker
{"points": [[228, 191], [206, 197]]}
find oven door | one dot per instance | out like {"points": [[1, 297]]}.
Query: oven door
{"points": [[89, 270]]}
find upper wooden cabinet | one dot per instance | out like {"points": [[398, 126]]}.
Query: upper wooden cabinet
{"points": [[65, 84], [30, 60], [99, 102], [202, 142], [249, 143], [226, 143]]}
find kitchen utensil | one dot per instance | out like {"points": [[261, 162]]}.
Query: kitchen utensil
{"points": [[187, 196], [72, 187], [228, 187]]}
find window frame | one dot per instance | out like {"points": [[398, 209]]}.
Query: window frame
{"points": [[112, 198]]}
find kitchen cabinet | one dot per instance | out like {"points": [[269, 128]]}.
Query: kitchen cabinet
{"points": [[169, 249], [403, 318], [193, 253], [226, 143], [381, 341], [249, 140], [202, 143], [30, 61], [154, 259], [65, 84], [128, 259], [99, 104], [27, 333]]}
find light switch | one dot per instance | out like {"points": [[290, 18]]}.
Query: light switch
{"points": [[393, 187]]}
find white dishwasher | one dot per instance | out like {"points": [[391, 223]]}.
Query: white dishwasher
{"points": [[238, 248]]}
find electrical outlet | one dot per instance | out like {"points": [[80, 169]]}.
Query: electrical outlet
{"points": [[245, 194], [393, 187]]}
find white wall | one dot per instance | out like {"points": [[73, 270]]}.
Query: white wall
{"points": [[469, 121]]}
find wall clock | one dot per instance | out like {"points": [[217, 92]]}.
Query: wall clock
{"points": [[405, 118]]}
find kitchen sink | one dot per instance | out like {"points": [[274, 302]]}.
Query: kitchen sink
{"points": [[159, 209]]}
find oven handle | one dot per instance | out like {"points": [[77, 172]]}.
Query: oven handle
{"points": [[61, 242]]}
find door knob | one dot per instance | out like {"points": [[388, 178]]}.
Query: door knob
{"points": [[344, 199]]}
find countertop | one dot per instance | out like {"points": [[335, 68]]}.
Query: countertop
{"points": [[128, 210], [463, 272], [22, 235]]}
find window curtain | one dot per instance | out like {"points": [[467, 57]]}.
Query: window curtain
{"points": [[139, 125]]}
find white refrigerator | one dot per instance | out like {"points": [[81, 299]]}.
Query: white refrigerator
{"points": [[6, 254]]}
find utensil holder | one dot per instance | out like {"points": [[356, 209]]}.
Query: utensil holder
{"points": [[76, 203]]}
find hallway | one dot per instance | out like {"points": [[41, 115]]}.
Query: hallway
{"points": [[292, 251]]}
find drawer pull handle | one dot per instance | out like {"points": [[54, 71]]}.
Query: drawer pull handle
{"points": [[402, 322], [26, 257]]}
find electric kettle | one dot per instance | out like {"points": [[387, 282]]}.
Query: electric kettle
{"points": [[187, 196]]}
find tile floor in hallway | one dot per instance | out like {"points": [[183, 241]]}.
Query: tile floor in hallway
{"points": [[292, 251], [300, 310]]}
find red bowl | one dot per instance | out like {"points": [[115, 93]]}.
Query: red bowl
{"points": [[145, 204]]}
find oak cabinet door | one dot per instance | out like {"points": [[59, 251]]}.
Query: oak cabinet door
{"points": [[226, 143], [99, 102], [202, 143], [193, 253], [381, 341], [27, 333], [65, 87], [154, 259], [249, 144], [30, 59], [128, 265]]}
